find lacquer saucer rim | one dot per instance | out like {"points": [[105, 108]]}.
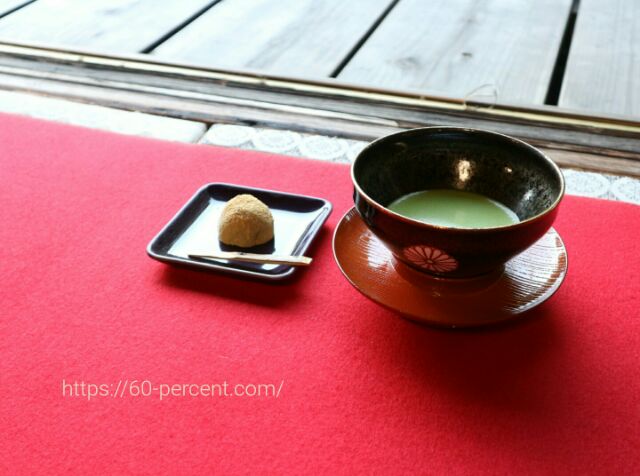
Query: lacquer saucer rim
{"points": [[516, 316]]}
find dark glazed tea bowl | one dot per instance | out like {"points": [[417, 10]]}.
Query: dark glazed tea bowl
{"points": [[494, 165]]}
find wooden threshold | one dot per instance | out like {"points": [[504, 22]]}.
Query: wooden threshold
{"points": [[607, 144]]}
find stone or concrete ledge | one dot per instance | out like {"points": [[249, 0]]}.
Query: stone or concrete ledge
{"points": [[99, 117]]}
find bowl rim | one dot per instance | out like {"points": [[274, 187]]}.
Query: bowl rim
{"points": [[465, 130]]}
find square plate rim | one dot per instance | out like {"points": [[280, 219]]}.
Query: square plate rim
{"points": [[326, 204]]}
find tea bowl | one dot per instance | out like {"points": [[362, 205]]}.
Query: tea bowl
{"points": [[497, 166]]}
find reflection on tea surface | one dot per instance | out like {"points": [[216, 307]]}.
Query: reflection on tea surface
{"points": [[454, 208]]}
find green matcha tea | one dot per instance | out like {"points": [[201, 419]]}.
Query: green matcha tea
{"points": [[454, 208]]}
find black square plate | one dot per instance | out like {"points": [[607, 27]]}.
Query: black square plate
{"points": [[194, 230]]}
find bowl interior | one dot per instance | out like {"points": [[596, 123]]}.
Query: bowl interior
{"points": [[506, 170]]}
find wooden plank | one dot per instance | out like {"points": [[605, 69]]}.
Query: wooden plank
{"points": [[454, 47], [603, 69], [593, 162], [327, 108], [98, 117], [333, 125], [8, 5], [292, 37], [105, 25], [62, 73]]}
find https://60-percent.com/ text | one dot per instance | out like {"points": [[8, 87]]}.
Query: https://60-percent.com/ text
{"points": [[125, 388]]}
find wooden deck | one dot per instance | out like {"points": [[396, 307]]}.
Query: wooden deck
{"points": [[582, 55]]}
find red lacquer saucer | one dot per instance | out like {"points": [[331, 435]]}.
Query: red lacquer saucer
{"points": [[525, 282]]}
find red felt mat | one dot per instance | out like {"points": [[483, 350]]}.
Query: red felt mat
{"points": [[361, 390]]}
